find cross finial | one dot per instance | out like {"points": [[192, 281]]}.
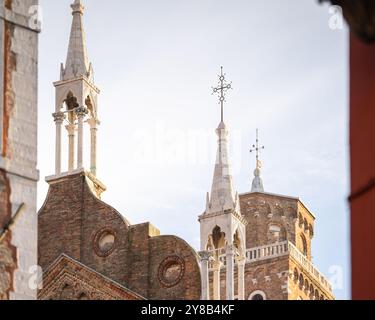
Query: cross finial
{"points": [[256, 148], [221, 89]]}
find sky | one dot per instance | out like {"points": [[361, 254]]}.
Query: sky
{"points": [[156, 63]]}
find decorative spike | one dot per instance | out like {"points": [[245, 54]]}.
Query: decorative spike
{"points": [[62, 71], [208, 201]]}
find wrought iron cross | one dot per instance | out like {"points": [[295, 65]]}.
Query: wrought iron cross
{"points": [[256, 148], [221, 89]]}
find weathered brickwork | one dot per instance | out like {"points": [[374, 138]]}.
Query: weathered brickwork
{"points": [[73, 221], [271, 219], [270, 277], [67, 279], [264, 211], [303, 286], [278, 265], [18, 142]]}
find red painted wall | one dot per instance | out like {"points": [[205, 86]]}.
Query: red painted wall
{"points": [[362, 141]]}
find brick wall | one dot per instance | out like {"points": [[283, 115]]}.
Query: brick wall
{"points": [[263, 211], [71, 222]]}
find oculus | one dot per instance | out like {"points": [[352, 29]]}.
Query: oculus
{"points": [[104, 242], [171, 271]]}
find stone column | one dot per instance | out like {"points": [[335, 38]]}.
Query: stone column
{"points": [[217, 280], [241, 262], [81, 113], [230, 272], [93, 132], [59, 119], [71, 128], [205, 259]]}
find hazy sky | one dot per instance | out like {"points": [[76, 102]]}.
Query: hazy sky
{"points": [[156, 61]]}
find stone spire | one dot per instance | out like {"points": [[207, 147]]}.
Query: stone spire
{"points": [[222, 222], [76, 101], [77, 62], [223, 196], [257, 185]]}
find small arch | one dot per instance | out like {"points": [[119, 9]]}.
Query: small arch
{"points": [[311, 230], [71, 103], [312, 290], [300, 219], [218, 238], [301, 281], [90, 106], [257, 295], [295, 275], [304, 248], [305, 224], [316, 296], [307, 285]]}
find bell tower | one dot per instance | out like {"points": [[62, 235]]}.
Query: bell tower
{"points": [[223, 228], [76, 100]]}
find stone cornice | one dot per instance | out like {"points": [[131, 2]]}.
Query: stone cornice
{"points": [[80, 78], [238, 216], [15, 169], [17, 19]]}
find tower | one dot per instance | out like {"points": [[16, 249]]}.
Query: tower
{"points": [[76, 99], [95, 251], [222, 226], [279, 235], [256, 245]]}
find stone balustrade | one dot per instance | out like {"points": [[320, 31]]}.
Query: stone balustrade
{"points": [[276, 250]]}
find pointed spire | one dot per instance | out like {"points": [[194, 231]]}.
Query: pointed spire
{"points": [[257, 185], [223, 196], [77, 62]]}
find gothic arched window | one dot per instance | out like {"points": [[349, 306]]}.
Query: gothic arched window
{"points": [[305, 225], [304, 245], [300, 219], [301, 281]]}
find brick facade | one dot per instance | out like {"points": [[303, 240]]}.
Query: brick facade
{"points": [[73, 221], [279, 232], [67, 279], [288, 275]]}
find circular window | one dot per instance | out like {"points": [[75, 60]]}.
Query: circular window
{"points": [[171, 271], [104, 242]]}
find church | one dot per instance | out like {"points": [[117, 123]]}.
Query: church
{"points": [[254, 246]]}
